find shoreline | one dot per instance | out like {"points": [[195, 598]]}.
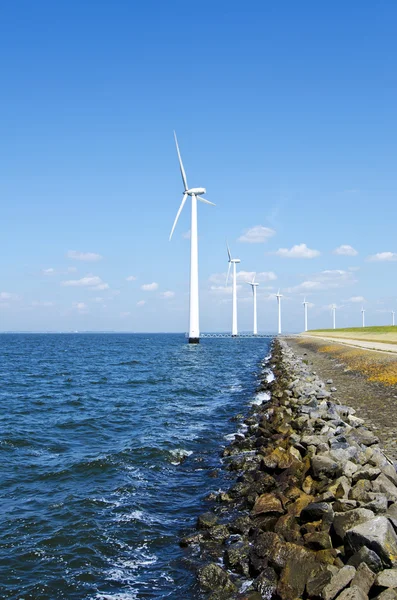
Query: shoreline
{"points": [[313, 510]]}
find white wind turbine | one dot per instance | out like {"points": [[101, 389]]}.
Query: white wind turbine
{"points": [[363, 314], [333, 309], [279, 296], [234, 262], [195, 194], [305, 304], [392, 317], [254, 286]]}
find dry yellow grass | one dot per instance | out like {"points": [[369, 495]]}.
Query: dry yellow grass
{"points": [[385, 335], [375, 367]]}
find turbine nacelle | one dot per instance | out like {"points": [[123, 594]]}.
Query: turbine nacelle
{"points": [[234, 260], [196, 191]]}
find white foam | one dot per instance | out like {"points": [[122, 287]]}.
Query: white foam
{"points": [[261, 397], [230, 437], [179, 455], [270, 377]]}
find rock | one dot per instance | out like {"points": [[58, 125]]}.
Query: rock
{"points": [[350, 468], [266, 583], [316, 511], [323, 465], [387, 595], [293, 578], [378, 503], [207, 520], [340, 488], [190, 540], [369, 557], [240, 525], [314, 440], [318, 540], [267, 503], [330, 381], [390, 472], [364, 436], [338, 582], [278, 458], [343, 505], [385, 486], [213, 578], [378, 535], [236, 557], [308, 485], [366, 472], [353, 593], [296, 508], [319, 577], [387, 578], [219, 533], [346, 520], [364, 578], [360, 490]]}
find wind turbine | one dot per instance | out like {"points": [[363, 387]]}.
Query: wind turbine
{"points": [[254, 286], [305, 303], [234, 262], [363, 314], [195, 194], [279, 296], [392, 317], [333, 308]]}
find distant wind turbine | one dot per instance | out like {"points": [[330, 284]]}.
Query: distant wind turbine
{"points": [[279, 296], [305, 303], [392, 317], [333, 308], [363, 314], [234, 262], [254, 286], [195, 194]]}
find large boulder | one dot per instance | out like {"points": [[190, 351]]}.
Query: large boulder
{"points": [[377, 535], [267, 503], [346, 520], [213, 578], [387, 578], [369, 557], [364, 578], [338, 582]]}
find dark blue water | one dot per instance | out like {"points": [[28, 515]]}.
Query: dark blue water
{"points": [[106, 442]]}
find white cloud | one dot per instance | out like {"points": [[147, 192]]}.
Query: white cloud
{"points": [[356, 299], [219, 279], [149, 287], [8, 296], [186, 235], [130, 278], [49, 271], [383, 256], [99, 299], [256, 235], [141, 303], [168, 294], [223, 290], [345, 250], [81, 307], [92, 282], [125, 314], [297, 251], [71, 269], [86, 256], [325, 280]]}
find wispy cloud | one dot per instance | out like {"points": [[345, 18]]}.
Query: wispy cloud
{"points": [[149, 287], [49, 271], [85, 256], [130, 278], [297, 251], [357, 299], [243, 276], [91, 281], [325, 280], [345, 250], [125, 314], [7, 296], [383, 256], [43, 304], [256, 235], [168, 294], [81, 307], [141, 303], [186, 235]]}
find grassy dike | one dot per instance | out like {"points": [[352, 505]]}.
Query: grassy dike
{"points": [[313, 510], [387, 334]]}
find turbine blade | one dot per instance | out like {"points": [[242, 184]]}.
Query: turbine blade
{"points": [[228, 272], [228, 252], [177, 214], [181, 165], [206, 201], [253, 279]]}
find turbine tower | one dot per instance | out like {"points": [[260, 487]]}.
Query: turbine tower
{"points": [[279, 296], [254, 286], [195, 194], [363, 314], [234, 262], [333, 308], [392, 317], [305, 303]]}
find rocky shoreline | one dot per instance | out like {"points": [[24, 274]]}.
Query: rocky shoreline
{"points": [[313, 511]]}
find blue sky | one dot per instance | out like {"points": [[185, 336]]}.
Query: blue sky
{"points": [[285, 112]]}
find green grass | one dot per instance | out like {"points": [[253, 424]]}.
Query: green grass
{"points": [[362, 330]]}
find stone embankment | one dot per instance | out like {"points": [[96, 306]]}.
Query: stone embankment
{"points": [[313, 513]]}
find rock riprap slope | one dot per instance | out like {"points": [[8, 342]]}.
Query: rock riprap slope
{"points": [[313, 513]]}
